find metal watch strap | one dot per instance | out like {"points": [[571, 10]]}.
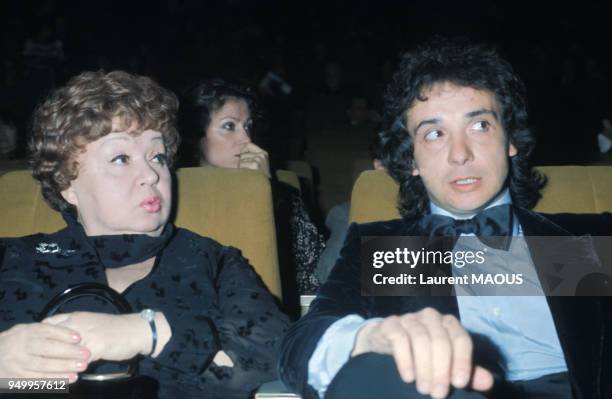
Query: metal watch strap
{"points": [[149, 315]]}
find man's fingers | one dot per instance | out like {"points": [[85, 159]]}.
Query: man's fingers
{"points": [[461, 367], [482, 379], [421, 349], [441, 358], [402, 352], [432, 350]]}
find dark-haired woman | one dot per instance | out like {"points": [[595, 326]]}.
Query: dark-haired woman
{"points": [[216, 121]]}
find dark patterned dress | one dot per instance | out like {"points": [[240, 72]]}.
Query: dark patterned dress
{"points": [[300, 245], [212, 299]]}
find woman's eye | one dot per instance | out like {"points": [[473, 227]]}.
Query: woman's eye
{"points": [[433, 135], [481, 125], [120, 159], [231, 126], [161, 158]]}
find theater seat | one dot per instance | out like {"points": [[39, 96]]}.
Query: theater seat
{"points": [[288, 177], [232, 206], [576, 189], [573, 189]]}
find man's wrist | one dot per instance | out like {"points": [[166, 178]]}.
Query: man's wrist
{"points": [[362, 338]]}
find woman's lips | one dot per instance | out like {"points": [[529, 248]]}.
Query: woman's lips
{"points": [[151, 205], [468, 183]]}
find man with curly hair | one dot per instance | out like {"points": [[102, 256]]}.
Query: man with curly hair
{"points": [[456, 141]]}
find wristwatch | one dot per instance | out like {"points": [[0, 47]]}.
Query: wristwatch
{"points": [[149, 315]]}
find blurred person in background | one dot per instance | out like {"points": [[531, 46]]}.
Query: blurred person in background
{"points": [[216, 120]]}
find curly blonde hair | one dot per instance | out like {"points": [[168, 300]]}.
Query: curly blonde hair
{"points": [[90, 106]]}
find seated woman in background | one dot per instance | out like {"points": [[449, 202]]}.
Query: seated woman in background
{"points": [[102, 148], [216, 121]]}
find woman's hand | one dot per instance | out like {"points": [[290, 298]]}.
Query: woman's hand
{"points": [[108, 336], [39, 350], [114, 337], [255, 158]]}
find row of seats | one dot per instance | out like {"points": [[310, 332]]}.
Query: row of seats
{"points": [[234, 206]]}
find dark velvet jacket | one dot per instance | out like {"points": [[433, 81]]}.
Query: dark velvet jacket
{"points": [[212, 299], [584, 324]]}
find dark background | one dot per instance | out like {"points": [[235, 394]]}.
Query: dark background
{"points": [[561, 50]]}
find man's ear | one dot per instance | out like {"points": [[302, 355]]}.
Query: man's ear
{"points": [[415, 169], [70, 196], [512, 151]]}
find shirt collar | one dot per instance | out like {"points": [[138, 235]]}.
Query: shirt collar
{"points": [[502, 199]]}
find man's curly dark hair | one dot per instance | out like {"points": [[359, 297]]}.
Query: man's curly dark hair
{"points": [[465, 64]]}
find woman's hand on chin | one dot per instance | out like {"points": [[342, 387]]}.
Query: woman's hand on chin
{"points": [[108, 336], [255, 158], [40, 350]]}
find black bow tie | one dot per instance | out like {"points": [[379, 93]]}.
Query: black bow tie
{"points": [[492, 226]]}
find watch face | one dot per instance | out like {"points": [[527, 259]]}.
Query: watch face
{"points": [[148, 314]]}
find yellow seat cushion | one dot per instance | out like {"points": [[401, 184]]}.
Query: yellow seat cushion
{"points": [[573, 189], [576, 189]]}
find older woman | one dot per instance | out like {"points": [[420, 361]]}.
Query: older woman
{"points": [[216, 121], [102, 148]]}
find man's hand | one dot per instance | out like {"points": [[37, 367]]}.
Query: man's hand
{"points": [[38, 350], [430, 349], [255, 158]]}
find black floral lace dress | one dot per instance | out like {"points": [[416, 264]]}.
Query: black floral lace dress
{"points": [[212, 299], [300, 244]]}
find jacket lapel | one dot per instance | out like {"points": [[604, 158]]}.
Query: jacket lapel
{"points": [[578, 320]]}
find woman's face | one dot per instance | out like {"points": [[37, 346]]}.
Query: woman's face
{"points": [[123, 185], [228, 132]]}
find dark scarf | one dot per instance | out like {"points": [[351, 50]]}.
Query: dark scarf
{"points": [[121, 249]]}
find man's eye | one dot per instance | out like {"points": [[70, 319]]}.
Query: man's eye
{"points": [[120, 159], [481, 125], [433, 135], [161, 158]]}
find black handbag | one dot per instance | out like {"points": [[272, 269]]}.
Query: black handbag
{"points": [[125, 383]]}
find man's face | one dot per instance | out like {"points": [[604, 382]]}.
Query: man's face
{"points": [[460, 147]]}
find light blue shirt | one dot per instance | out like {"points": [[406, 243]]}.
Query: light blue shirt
{"points": [[521, 326]]}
